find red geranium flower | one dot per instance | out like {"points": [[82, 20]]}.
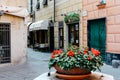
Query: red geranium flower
{"points": [[86, 51], [53, 56], [57, 52], [89, 58], [60, 50], [79, 52], [95, 52], [71, 53]]}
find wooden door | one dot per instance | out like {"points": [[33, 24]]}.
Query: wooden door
{"points": [[97, 35]]}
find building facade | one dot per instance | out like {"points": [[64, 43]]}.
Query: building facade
{"points": [[101, 27], [55, 11], [97, 26], [41, 30], [13, 32]]}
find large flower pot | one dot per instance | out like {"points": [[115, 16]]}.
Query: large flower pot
{"points": [[74, 71], [72, 74]]}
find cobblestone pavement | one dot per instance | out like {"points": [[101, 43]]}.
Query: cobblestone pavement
{"points": [[115, 72], [38, 64]]}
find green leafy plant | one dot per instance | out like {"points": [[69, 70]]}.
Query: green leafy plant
{"points": [[76, 57], [71, 17]]}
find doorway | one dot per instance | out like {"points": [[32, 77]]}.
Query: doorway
{"points": [[5, 56], [97, 35], [61, 34], [73, 33]]}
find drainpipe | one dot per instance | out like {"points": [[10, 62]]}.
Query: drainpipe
{"points": [[54, 10], [32, 11], [33, 20]]}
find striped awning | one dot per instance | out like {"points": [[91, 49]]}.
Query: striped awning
{"points": [[39, 25]]}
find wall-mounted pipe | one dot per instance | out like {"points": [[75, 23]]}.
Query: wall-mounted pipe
{"points": [[54, 10]]}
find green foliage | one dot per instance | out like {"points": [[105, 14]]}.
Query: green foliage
{"points": [[79, 57], [71, 17]]}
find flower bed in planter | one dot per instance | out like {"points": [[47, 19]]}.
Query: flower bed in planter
{"points": [[76, 58]]}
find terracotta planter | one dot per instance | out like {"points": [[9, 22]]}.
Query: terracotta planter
{"points": [[74, 71], [101, 6], [73, 77]]}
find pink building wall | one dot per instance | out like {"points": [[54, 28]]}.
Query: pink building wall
{"points": [[112, 14]]}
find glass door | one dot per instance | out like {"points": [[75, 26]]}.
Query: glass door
{"points": [[74, 34], [61, 34], [61, 38]]}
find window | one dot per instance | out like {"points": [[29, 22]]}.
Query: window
{"points": [[31, 6], [45, 2], [43, 36], [5, 56], [73, 34], [38, 5]]}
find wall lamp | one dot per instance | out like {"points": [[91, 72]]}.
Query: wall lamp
{"points": [[1, 13]]}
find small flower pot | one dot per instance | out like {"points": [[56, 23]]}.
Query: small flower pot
{"points": [[101, 6]]}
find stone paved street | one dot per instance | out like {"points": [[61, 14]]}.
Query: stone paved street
{"points": [[38, 64]]}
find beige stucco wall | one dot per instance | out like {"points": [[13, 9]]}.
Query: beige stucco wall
{"points": [[62, 7], [18, 31], [18, 38], [112, 14], [21, 3]]}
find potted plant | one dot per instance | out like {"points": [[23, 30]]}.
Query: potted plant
{"points": [[71, 17], [101, 5], [76, 60]]}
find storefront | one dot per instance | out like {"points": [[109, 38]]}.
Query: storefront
{"points": [[73, 33], [38, 34], [72, 21]]}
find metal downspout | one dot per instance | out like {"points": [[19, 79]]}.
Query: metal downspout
{"points": [[54, 10]]}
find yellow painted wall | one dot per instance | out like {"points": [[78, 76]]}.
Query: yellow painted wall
{"points": [[22, 3]]}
